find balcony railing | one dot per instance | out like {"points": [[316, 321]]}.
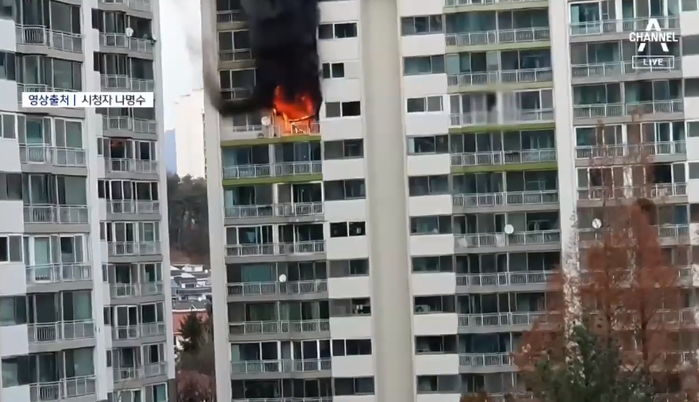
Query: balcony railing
{"points": [[485, 359], [65, 214], [617, 69], [519, 76], [506, 198], [621, 25], [501, 239], [520, 35], [653, 191], [280, 366], [234, 54], [127, 123], [123, 248], [281, 210], [61, 330], [121, 41], [136, 289], [504, 157], [49, 155], [270, 288], [147, 370], [495, 117], [139, 5], [668, 232], [57, 273], [504, 278], [135, 331], [299, 399], [275, 327], [38, 35], [525, 318], [117, 82], [131, 165], [226, 16], [638, 150], [63, 389], [628, 109], [272, 169], [133, 207], [459, 3], [304, 247]]}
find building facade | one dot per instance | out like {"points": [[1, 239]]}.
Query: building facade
{"points": [[84, 260], [398, 251]]}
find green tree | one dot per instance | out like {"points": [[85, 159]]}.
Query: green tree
{"points": [[192, 333]]}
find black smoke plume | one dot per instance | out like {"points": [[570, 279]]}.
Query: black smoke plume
{"points": [[283, 36]]}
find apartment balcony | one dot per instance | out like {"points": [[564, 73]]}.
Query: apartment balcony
{"points": [[52, 332], [594, 111], [300, 399], [236, 93], [631, 152], [39, 35], [235, 55], [138, 5], [284, 210], [619, 70], [527, 238], [480, 362], [126, 123], [489, 321], [133, 207], [505, 279], [621, 26], [121, 165], [278, 288], [118, 290], [495, 117], [281, 169], [485, 78], [137, 331], [119, 41], [58, 273], [507, 199], [657, 192], [119, 82], [478, 3], [250, 250], [122, 374], [667, 234], [279, 327], [228, 16], [129, 248], [42, 154], [504, 157], [280, 366], [502, 36], [61, 214], [64, 389]]}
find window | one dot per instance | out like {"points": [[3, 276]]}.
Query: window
{"points": [[6, 8], [694, 170], [354, 386], [333, 70], [13, 310], [234, 45], [690, 45], [428, 24], [11, 186], [344, 229], [417, 65], [693, 129], [7, 64], [430, 224], [691, 87], [342, 109], [434, 304], [437, 383], [7, 126], [438, 144], [11, 249], [433, 264], [351, 347], [344, 149], [344, 190], [16, 371], [338, 229], [428, 185], [349, 307], [344, 268], [429, 104], [689, 5], [337, 31], [435, 344]]}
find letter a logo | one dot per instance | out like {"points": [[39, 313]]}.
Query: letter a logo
{"points": [[653, 25]]}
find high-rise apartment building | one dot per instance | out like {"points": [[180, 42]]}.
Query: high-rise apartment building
{"points": [[397, 250], [84, 266]]}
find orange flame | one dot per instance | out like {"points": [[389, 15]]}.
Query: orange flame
{"points": [[294, 116]]}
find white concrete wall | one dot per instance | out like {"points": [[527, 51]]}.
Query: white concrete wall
{"points": [[342, 169], [13, 340], [426, 165], [435, 324], [352, 366], [350, 327], [439, 244], [436, 364], [349, 287], [429, 284], [430, 205], [14, 278]]}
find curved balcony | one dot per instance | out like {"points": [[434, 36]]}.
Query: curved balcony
{"points": [[504, 157], [58, 273], [597, 110], [133, 207], [39, 35], [297, 209], [147, 166], [50, 155], [514, 278], [117, 82], [279, 327], [280, 366], [277, 288], [508, 198], [126, 123], [248, 250], [51, 332], [535, 237], [519, 76], [62, 214], [279, 169], [127, 248], [520, 35], [495, 117], [621, 26], [66, 388]]}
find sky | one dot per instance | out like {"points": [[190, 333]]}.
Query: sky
{"points": [[180, 26]]}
